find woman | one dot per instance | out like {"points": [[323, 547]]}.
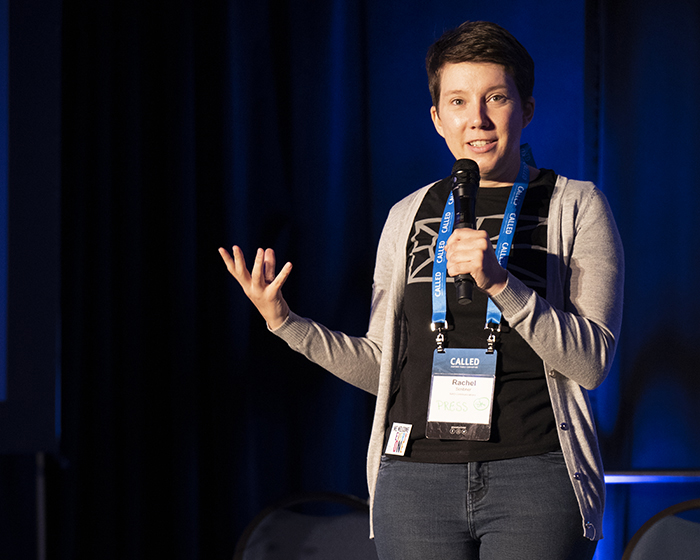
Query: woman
{"points": [[516, 471]]}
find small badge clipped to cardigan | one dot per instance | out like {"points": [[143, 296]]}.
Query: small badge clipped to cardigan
{"points": [[398, 439]]}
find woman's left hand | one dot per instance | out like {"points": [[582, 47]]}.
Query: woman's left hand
{"points": [[470, 251]]}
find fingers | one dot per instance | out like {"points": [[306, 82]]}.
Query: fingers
{"points": [[240, 268], [269, 265], [264, 270], [228, 259], [469, 252], [256, 274], [466, 249], [262, 273], [281, 278], [235, 264]]}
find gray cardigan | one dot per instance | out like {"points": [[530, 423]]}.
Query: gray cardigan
{"points": [[574, 330]]}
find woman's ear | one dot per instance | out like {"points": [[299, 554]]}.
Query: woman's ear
{"points": [[436, 120]]}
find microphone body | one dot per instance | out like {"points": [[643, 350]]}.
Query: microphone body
{"points": [[465, 184]]}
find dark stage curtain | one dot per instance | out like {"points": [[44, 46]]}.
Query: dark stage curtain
{"points": [[188, 125]]}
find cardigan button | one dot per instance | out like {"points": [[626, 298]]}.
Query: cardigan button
{"points": [[577, 476], [564, 426], [552, 373]]}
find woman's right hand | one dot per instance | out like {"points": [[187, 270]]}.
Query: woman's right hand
{"points": [[261, 285]]}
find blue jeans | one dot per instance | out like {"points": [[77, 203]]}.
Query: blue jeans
{"points": [[514, 509]]}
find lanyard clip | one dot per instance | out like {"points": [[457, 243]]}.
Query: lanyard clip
{"points": [[494, 329], [441, 327]]}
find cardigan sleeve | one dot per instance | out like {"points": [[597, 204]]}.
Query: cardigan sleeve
{"points": [[577, 336]]}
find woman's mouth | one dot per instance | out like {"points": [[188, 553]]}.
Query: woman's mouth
{"points": [[480, 143]]}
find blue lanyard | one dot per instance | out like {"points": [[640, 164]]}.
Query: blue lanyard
{"points": [[505, 242], [505, 237], [440, 265]]}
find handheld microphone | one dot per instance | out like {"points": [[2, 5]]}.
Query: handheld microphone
{"points": [[465, 183]]}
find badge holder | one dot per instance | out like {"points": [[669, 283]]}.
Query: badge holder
{"points": [[461, 394]]}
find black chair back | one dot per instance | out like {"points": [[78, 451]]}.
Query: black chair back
{"points": [[310, 526]]}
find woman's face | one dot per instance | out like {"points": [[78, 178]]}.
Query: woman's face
{"points": [[481, 117]]}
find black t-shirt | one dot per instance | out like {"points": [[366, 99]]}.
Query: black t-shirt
{"points": [[523, 422]]}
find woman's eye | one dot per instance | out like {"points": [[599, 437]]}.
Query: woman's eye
{"points": [[457, 101], [498, 98]]}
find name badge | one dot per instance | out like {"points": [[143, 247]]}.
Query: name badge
{"points": [[461, 394]]}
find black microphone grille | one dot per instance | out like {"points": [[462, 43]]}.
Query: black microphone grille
{"points": [[466, 170], [465, 164]]}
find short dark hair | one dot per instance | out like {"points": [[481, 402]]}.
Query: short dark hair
{"points": [[480, 41]]}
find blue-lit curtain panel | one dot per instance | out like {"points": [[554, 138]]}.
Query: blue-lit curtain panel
{"points": [[648, 420], [295, 125]]}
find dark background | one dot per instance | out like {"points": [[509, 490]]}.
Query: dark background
{"points": [[145, 134]]}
